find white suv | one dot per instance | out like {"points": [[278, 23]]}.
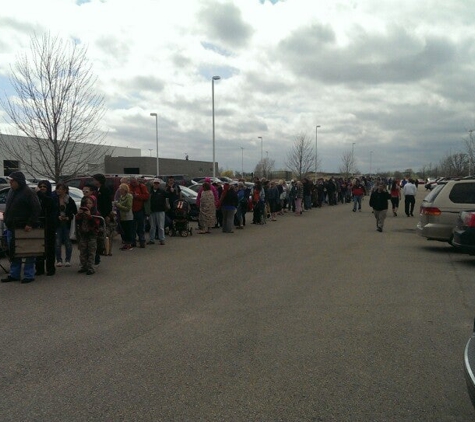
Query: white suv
{"points": [[440, 208]]}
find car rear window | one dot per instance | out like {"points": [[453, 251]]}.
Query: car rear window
{"points": [[434, 193], [463, 193]]}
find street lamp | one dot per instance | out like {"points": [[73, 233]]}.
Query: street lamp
{"points": [[242, 162], [214, 78], [353, 158], [156, 135], [316, 146], [260, 137], [370, 162]]}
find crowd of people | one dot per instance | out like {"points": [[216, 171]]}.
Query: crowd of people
{"points": [[103, 214]]}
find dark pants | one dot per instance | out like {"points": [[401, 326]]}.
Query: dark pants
{"points": [[139, 225], [409, 202]]}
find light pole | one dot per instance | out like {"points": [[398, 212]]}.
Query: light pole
{"points": [[370, 162], [353, 158], [214, 78], [242, 162], [150, 149], [156, 135], [260, 137], [316, 156]]}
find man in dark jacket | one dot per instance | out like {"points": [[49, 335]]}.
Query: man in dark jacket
{"points": [[104, 206], [155, 208], [22, 212], [379, 202]]}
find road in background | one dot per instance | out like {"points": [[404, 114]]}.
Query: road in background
{"points": [[317, 318]]}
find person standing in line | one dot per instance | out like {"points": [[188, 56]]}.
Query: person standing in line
{"points": [[87, 230], [124, 206], [409, 190], [379, 202], [104, 208], [228, 203], [207, 216], [22, 212], [395, 196], [299, 198], [48, 214], [66, 210], [140, 195], [155, 208]]}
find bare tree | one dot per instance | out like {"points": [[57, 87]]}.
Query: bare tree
{"points": [[57, 107], [470, 148], [455, 165], [264, 167], [301, 157], [348, 167]]}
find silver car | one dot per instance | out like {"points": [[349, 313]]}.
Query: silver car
{"points": [[440, 208]]}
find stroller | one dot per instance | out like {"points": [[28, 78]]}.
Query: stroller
{"points": [[181, 225]]}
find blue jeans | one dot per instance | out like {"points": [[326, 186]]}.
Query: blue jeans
{"points": [[357, 202], [15, 264], [62, 237], [157, 222], [139, 225], [307, 202]]}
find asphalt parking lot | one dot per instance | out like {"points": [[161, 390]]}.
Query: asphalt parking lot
{"points": [[312, 318]]}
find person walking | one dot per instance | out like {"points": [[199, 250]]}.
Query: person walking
{"points": [[379, 202], [395, 196], [22, 212], [357, 191], [409, 190]]}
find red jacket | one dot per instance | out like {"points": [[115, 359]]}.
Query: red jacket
{"points": [[140, 194]]}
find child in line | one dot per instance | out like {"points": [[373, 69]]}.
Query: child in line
{"points": [[87, 229]]}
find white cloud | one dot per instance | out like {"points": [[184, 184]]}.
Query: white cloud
{"points": [[393, 77]]}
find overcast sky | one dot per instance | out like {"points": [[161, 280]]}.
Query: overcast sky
{"points": [[392, 77]]}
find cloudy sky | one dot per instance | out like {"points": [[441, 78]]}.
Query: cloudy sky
{"points": [[392, 80]]}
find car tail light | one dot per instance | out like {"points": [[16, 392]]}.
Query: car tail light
{"points": [[468, 218], [430, 211]]}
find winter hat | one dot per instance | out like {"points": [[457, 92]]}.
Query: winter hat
{"points": [[100, 178], [19, 177]]}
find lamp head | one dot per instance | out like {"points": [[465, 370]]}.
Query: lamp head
{"points": [[215, 78], [153, 114]]}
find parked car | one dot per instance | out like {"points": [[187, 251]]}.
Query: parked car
{"points": [[112, 181], [196, 187], [75, 193], [441, 207], [469, 366], [464, 232], [181, 179]]}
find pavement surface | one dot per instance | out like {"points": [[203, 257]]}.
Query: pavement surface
{"points": [[311, 318]]}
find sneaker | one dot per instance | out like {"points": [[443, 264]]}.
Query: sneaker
{"points": [[162, 242], [90, 272], [9, 279], [60, 264], [67, 264], [150, 242], [82, 270], [142, 244], [27, 280], [379, 229]]}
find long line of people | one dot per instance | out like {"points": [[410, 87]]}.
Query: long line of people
{"points": [[103, 214]]}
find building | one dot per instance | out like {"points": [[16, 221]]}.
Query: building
{"points": [[10, 163], [167, 166]]}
